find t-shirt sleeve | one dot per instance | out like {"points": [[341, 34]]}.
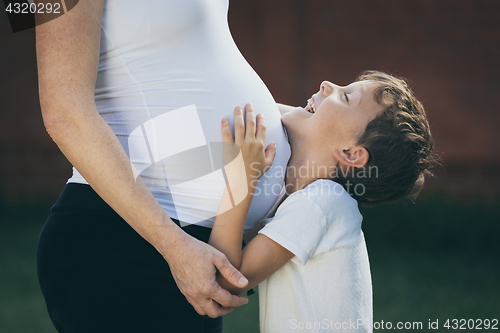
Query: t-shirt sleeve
{"points": [[299, 225], [320, 218]]}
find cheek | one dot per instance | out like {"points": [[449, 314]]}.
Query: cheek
{"points": [[356, 130], [339, 129], [329, 120]]}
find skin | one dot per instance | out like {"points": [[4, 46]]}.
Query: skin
{"points": [[327, 137], [68, 56]]}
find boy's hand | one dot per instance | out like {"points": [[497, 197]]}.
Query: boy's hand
{"points": [[250, 137]]}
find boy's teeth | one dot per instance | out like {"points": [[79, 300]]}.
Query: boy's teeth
{"points": [[310, 106]]}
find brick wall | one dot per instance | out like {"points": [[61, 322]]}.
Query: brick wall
{"points": [[449, 49], [30, 163]]}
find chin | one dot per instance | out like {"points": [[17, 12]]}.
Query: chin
{"points": [[297, 114], [294, 125], [285, 121]]}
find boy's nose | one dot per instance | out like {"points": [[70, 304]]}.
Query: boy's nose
{"points": [[327, 88]]}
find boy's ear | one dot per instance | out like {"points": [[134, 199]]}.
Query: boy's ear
{"points": [[356, 156]]}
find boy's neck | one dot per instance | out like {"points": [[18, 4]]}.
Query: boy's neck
{"points": [[302, 171], [306, 164]]}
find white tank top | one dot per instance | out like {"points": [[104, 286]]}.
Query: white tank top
{"points": [[169, 70]]}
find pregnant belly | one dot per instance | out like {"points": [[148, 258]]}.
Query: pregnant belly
{"points": [[177, 147]]}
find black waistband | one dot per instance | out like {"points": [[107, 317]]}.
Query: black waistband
{"points": [[82, 197]]}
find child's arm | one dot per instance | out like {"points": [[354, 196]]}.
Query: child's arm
{"points": [[247, 162], [262, 256]]}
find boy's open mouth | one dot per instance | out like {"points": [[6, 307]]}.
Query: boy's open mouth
{"points": [[310, 106]]}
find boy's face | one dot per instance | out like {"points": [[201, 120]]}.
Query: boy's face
{"points": [[335, 116]]}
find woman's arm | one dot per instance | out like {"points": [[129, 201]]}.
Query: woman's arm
{"points": [[68, 57], [262, 256]]}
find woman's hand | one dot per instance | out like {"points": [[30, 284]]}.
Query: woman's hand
{"points": [[193, 265], [249, 137]]}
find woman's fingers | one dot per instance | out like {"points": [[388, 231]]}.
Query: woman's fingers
{"points": [[250, 122]]}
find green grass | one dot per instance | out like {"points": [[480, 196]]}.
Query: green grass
{"points": [[436, 259], [22, 308]]}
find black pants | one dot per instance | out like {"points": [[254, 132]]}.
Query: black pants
{"points": [[98, 275]]}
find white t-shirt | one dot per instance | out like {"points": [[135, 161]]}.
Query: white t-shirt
{"points": [[327, 286]]}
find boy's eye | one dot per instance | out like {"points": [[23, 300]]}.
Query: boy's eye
{"points": [[347, 98]]}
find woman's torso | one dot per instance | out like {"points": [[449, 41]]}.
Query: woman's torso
{"points": [[168, 72]]}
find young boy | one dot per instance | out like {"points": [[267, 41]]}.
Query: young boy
{"points": [[367, 143]]}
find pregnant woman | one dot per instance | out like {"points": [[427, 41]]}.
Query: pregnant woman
{"points": [[132, 92]]}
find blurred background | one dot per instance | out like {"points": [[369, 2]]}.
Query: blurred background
{"points": [[433, 259]]}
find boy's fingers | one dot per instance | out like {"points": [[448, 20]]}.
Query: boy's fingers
{"points": [[239, 125], [250, 122], [261, 128], [270, 154], [226, 131]]}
